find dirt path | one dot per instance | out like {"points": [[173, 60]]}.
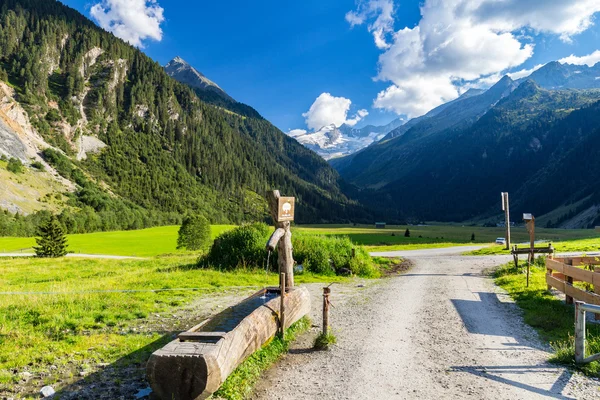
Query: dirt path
{"points": [[440, 331]]}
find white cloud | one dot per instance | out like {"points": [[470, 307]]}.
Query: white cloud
{"points": [[360, 114], [327, 110], [458, 41], [590, 60], [132, 20], [296, 132], [383, 24], [524, 72]]}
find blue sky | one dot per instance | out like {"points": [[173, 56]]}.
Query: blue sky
{"points": [[329, 60]]}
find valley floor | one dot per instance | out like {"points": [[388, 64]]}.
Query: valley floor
{"points": [[441, 331]]}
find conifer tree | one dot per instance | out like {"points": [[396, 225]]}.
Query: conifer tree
{"points": [[407, 233], [52, 242], [194, 233]]}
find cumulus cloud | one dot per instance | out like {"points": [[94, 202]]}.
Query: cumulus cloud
{"points": [[296, 132], [132, 20], [382, 13], [327, 110], [461, 43], [590, 60]]}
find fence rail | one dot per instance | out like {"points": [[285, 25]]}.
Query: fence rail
{"points": [[580, 309], [562, 272]]}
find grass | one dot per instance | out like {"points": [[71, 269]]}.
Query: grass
{"points": [[77, 324], [239, 384], [581, 245], [323, 341], [440, 235], [550, 316], [140, 243]]}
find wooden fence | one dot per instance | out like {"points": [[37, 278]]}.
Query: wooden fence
{"points": [[562, 272]]}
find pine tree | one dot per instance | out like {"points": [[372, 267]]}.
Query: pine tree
{"points": [[52, 242], [194, 233], [472, 237], [407, 233]]}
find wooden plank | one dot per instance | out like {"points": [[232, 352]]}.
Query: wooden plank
{"points": [[579, 274], [555, 283], [201, 336], [555, 265], [582, 295], [536, 251], [580, 260]]}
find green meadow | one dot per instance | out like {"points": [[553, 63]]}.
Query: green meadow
{"points": [[442, 235], [140, 243]]}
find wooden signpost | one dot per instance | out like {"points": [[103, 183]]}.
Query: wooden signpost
{"points": [[530, 224], [282, 211], [505, 208]]}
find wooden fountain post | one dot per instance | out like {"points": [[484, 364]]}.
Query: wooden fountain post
{"points": [[282, 212]]}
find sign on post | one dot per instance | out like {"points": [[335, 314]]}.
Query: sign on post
{"points": [[286, 209]]}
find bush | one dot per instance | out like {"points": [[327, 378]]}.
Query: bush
{"points": [[329, 255], [38, 165], [15, 166], [242, 247], [194, 233]]}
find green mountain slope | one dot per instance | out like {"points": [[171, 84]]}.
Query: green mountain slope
{"points": [[160, 149], [528, 143]]}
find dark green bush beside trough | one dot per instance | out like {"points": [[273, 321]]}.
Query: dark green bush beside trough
{"points": [[244, 248]]}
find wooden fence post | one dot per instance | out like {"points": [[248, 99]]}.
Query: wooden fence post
{"points": [[282, 238], [579, 332], [326, 292], [596, 290], [282, 304]]}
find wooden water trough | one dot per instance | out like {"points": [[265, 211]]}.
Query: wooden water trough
{"points": [[194, 365]]}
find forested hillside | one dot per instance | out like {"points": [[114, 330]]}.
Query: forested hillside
{"points": [[160, 151], [537, 144]]}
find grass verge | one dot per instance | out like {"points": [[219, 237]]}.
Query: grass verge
{"points": [[239, 384], [550, 316], [590, 245]]}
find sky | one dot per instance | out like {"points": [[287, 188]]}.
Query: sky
{"points": [[306, 64]]}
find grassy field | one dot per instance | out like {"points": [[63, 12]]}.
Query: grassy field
{"points": [[140, 243], [70, 314], [550, 316], [581, 245], [429, 236]]}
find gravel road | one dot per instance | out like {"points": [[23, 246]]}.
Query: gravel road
{"points": [[442, 330]]}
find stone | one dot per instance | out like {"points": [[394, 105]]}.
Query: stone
{"points": [[47, 391]]}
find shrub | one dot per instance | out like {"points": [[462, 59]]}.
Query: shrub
{"points": [[194, 233], [15, 166], [242, 247], [53, 115], [329, 255], [38, 165]]}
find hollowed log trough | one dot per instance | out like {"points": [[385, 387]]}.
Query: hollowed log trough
{"points": [[194, 365]]}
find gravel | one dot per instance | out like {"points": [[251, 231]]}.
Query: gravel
{"points": [[441, 331]]}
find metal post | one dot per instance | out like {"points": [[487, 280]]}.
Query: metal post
{"points": [[282, 305], [579, 332], [326, 292], [506, 208]]}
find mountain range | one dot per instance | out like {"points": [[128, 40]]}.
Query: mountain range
{"points": [[528, 137], [112, 140]]}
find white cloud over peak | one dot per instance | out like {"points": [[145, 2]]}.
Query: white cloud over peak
{"points": [[382, 11], [327, 110], [590, 60], [132, 20], [458, 41], [296, 132]]}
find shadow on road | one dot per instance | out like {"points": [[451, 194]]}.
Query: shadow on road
{"points": [[497, 374]]}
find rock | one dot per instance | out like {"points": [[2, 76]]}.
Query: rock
{"points": [[26, 375], [47, 391]]}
